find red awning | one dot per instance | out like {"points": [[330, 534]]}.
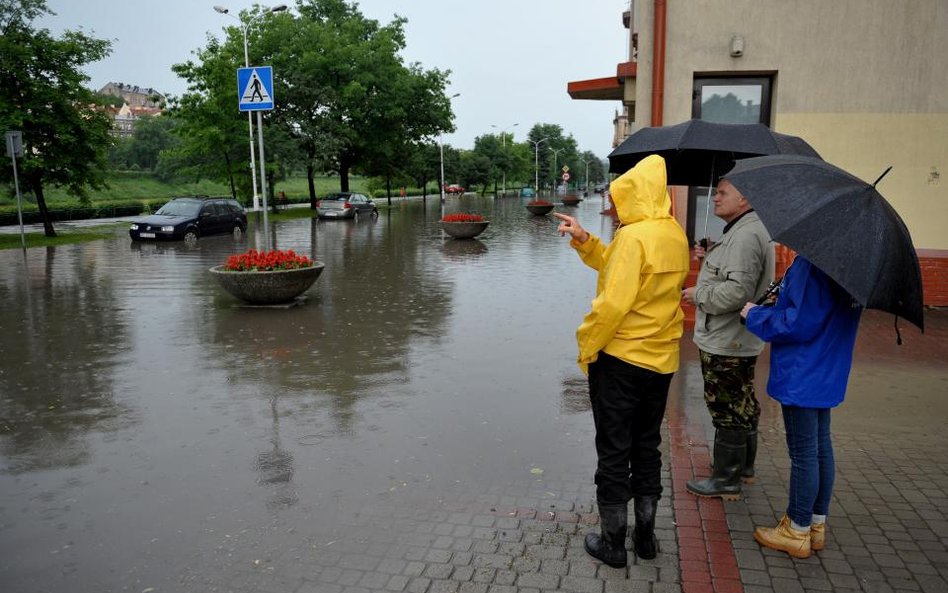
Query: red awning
{"points": [[603, 89]]}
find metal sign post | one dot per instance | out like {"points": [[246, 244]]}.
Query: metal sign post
{"points": [[15, 149], [255, 93]]}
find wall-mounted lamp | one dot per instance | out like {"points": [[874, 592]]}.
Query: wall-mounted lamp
{"points": [[737, 46]]}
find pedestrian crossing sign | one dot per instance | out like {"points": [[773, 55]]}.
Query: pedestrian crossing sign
{"points": [[255, 88]]}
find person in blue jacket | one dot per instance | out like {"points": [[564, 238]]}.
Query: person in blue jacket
{"points": [[812, 331]]}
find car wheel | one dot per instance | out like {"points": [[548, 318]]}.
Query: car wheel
{"points": [[190, 236], [238, 231], [355, 216], [375, 212]]}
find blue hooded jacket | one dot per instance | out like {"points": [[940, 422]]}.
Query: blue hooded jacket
{"points": [[812, 331]]}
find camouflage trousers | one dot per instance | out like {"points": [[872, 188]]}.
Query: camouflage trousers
{"points": [[729, 391]]}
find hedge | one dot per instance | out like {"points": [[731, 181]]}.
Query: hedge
{"points": [[8, 214]]}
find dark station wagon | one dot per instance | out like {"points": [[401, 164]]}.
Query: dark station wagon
{"points": [[190, 218]]}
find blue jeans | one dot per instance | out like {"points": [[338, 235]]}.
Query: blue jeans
{"points": [[812, 469]]}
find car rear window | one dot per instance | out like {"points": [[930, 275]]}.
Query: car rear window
{"points": [[337, 197]]}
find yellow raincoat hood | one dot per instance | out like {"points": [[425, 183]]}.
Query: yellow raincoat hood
{"points": [[636, 315], [640, 193]]}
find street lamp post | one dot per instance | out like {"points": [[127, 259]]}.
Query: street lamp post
{"points": [[243, 30], [504, 140], [587, 174], [536, 164], [555, 152]]}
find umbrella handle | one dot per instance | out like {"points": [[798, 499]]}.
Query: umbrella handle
{"points": [[707, 213], [772, 289]]}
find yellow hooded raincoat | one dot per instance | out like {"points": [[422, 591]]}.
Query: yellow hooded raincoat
{"points": [[636, 315]]}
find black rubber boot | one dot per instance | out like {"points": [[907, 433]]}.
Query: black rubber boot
{"points": [[730, 452], [747, 473], [609, 545], [643, 538]]}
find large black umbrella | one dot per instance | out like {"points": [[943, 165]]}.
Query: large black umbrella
{"points": [[841, 224], [698, 152]]}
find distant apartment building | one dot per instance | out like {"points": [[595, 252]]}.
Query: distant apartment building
{"points": [[135, 96], [138, 102]]}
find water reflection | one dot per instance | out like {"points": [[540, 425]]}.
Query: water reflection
{"points": [[59, 342], [463, 250], [275, 467]]}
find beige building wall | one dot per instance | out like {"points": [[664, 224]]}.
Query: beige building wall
{"points": [[864, 81]]}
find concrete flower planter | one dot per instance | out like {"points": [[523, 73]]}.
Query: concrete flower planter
{"points": [[464, 230], [539, 209], [268, 288], [570, 200]]}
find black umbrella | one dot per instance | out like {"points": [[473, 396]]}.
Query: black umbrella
{"points": [[698, 152], [841, 224]]}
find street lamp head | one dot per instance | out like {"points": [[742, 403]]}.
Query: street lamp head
{"points": [[220, 9], [454, 95], [278, 8]]}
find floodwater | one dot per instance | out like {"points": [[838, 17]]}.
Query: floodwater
{"points": [[156, 435], [147, 421]]}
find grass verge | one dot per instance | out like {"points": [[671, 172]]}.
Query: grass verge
{"points": [[63, 236]]}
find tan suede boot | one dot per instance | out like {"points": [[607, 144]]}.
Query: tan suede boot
{"points": [[784, 538], [817, 536]]}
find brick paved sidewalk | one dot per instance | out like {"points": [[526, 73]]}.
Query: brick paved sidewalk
{"points": [[887, 530]]}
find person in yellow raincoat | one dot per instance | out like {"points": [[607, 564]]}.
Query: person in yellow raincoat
{"points": [[628, 347]]}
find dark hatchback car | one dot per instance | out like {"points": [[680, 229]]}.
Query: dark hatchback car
{"points": [[346, 205], [190, 218]]}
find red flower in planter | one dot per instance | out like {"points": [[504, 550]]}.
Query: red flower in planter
{"points": [[266, 261], [461, 217], [539, 203]]}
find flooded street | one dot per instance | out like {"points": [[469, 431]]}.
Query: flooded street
{"points": [[149, 422], [157, 436]]}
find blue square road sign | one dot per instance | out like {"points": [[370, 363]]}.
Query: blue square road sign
{"points": [[255, 88]]}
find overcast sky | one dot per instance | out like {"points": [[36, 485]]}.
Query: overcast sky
{"points": [[509, 59]]}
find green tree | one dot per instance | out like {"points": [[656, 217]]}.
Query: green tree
{"points": [[344, 100], [597, 170], [65, 129], [213, 133], [423, 164], [151, 136], [475, 170], [345, 94], [490, 155], [554, 140]]}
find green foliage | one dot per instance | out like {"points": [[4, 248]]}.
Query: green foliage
{"points": [[213, 136], [109, 100], [551, 163], [143, 149], [150, 192], [72, 210], [347, 102], [65, 129]]}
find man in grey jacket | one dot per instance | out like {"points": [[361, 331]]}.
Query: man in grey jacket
{"points": [[736, 270]]}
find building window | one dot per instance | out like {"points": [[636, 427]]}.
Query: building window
{"points": [[729, 100]]}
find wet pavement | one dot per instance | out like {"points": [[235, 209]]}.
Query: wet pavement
{"points": [[418, 424]]}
